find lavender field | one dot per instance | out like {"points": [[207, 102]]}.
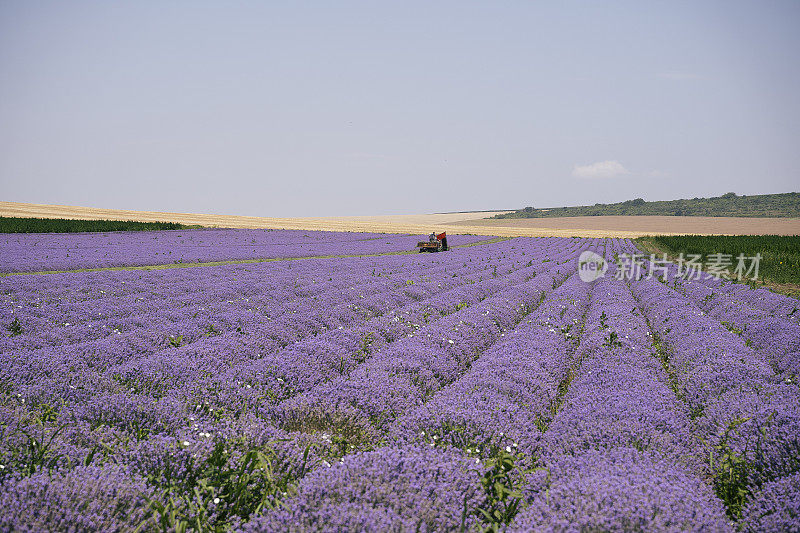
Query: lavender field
{"points": [[486, 388], [36, 252]]}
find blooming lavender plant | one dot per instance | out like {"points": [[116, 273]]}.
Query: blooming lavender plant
{"points": [[391, 489], [622, 490], [776, 507], [84, 499]]}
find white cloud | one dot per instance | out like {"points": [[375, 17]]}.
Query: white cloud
{"points": [[601, 169]]}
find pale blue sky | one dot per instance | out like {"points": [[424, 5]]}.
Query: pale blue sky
{"points": [[335, 108]]}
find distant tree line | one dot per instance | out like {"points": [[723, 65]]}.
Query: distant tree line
{"points": [[63, 225], [727, 205]]}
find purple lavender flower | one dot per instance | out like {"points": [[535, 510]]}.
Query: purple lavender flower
{"points": [[776, 507], [622, 490], [389, 489], [84, 499]]}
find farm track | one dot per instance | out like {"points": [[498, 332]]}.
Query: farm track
{"points": [[164, 266]]}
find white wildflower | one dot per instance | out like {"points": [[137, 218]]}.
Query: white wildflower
{"points": [[216, 500]]}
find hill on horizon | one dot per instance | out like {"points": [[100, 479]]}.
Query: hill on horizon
{"points": [[728, 205]]}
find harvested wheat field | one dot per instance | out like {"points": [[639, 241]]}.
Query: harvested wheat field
{"points": [[647, 225], [387, 223], [475, 223]]}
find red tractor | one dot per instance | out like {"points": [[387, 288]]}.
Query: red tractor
{"points": [[435, 243]]}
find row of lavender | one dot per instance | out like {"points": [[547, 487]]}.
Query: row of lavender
{"points": [[172, 313], [598, 406], [574, 386], [487, 387], [732, 353], [768, 322], [86, 381], [36, 252], [81, 307], [622, 444]]}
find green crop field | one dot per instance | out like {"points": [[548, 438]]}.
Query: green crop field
{"points": [[63, 225], [780, 255]]}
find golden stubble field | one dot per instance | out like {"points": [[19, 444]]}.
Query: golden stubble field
{"points": [[652, 225], [476, 223]]}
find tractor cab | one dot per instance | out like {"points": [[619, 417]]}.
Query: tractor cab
{"points": [[435, 243]]}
